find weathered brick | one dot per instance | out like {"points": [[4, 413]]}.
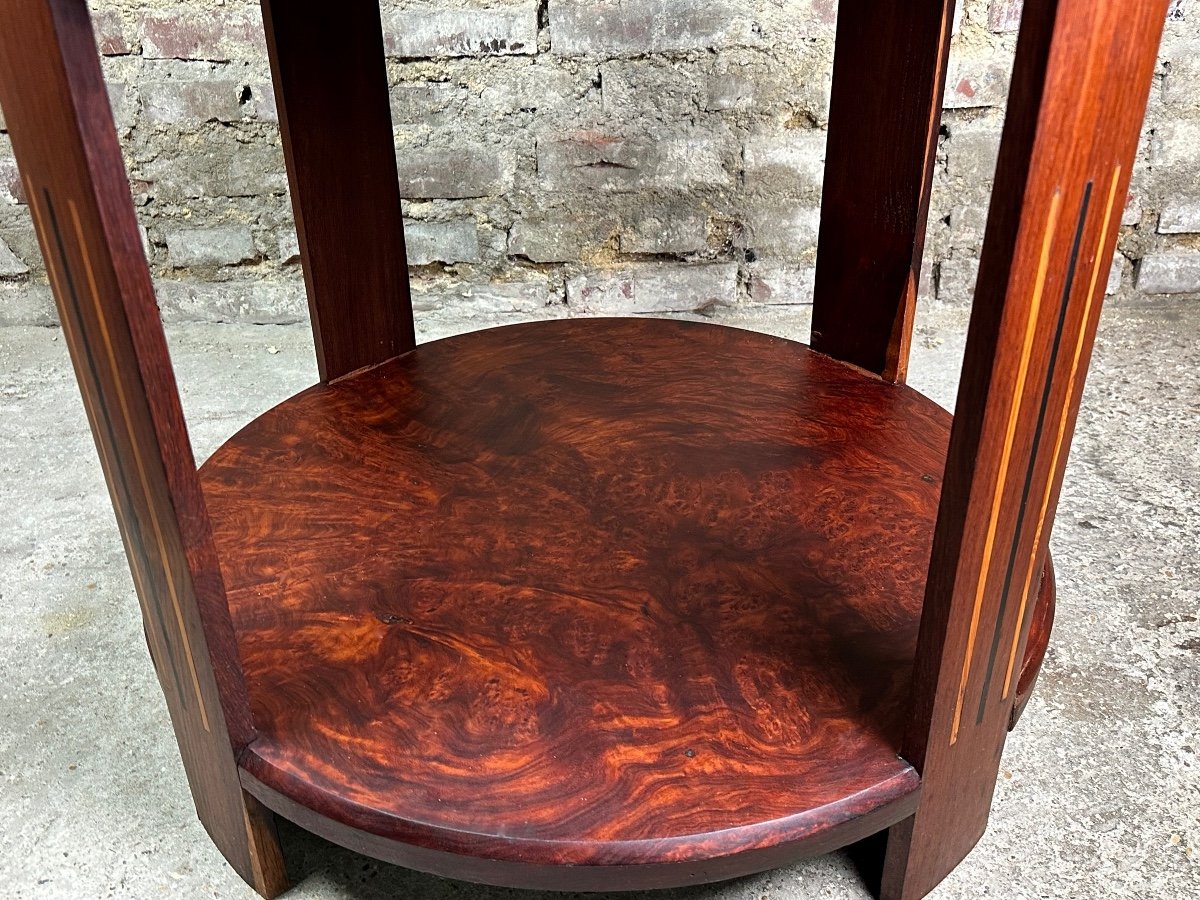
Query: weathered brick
{"points": [[635, 88], [444, 242], [974, 81], [665, 231], [1169, 273], [424, 101], [529, 297], [225, 246], [11, 266], [122, 100], [457, 172], [651, 288], [971, 151], [731, 89], [635, 27], [781, 283], [956, 279], [1180, 217], [1176, 144], [246, 301], [1132, 213], [558, 236], [23, 303], [221, 167], [12, 189], [968, 224], [1004, 15], [183, 33], [1116, 274], [111, 37], [430, 30], [592, 160], [787, 230], [178, 101], [289, 247], [791, 161]]}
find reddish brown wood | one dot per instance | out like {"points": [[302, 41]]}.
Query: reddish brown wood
{"points": [[1078, 95], [58, 115], [335, 118], [1041, 623], [885, 108], [587, 593]]}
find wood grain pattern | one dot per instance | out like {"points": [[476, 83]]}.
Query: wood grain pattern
{"points": [[331, 88], [884, 111], [1078, 94], [57, 111], [584, 593]]}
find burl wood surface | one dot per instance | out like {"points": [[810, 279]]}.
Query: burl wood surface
{"points": [[588, 592]]}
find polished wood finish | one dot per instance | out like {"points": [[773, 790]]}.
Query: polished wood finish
{"points": [[1078, 95], [608, 603], [78, 191], [335, 119], [587, 593], [885, 107]]}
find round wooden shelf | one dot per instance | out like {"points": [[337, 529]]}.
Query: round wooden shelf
{"points": [[635, 597]]}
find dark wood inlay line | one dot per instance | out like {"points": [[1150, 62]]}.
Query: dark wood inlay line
{"points": [[1014, 550]]}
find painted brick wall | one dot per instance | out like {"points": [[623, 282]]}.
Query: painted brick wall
{"points": [[606, 155]]}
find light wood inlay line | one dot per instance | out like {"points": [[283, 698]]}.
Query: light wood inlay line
{"points": [[143, 479], [73, 344], [1035, 305], [1062, 425], [99, 416]]}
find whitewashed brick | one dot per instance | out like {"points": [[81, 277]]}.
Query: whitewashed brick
{"points": [[635, 27], [651, 288], [1180, 217], [792, 161], [430, 30], [227, 246], [781, 283], [1170, 273], [445, 242]]}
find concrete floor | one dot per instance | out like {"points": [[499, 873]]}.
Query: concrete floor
{"points": [[1100, 790]]}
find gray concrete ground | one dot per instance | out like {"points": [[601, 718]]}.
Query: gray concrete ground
{"points": [[1100, 790]]}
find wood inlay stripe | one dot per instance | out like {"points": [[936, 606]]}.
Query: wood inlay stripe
{"points": [[60, 272], [1035, 304], [1039, 431], [160, 648], [1062, 426], [143, 479]]}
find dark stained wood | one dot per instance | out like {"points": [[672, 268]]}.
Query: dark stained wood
{"points": [[1078, 94], [58, 115], [335, 118], [604, 603], [584, 593], [885, 108]]}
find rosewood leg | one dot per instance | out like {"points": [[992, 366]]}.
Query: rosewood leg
{"points": [[58, 115], [335, 118], [883, 125], [1078, 95]]}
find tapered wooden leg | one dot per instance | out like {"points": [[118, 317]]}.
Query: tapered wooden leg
{"points": [[56, 108], [1080, 82], [884, 113], [331, 88]]}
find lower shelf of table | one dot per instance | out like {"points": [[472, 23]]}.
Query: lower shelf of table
{"points": [[562, 603]]}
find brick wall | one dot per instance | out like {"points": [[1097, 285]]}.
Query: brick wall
{"points": [[609, 155]]}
